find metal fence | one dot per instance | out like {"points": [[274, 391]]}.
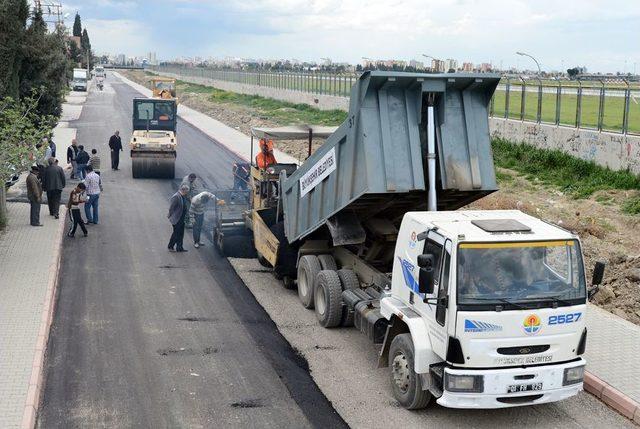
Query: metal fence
{"points": [[338, 85], [581, 104]]}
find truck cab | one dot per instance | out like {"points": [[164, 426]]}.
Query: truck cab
{"points": [[494, 305]]}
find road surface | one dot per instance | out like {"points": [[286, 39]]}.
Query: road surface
{"points": [[147, 338]]}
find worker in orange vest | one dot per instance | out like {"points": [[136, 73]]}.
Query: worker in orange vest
{"points": [[265, 157]]}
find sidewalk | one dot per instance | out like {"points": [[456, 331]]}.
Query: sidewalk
{"points": [[613, 357], [29, 258], [613, 344]]}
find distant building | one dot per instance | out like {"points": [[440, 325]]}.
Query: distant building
{"points": [[486, 67], [416, 64], [121, 59], [450, 64], [467, 67], [151, 57], [437, 66]]}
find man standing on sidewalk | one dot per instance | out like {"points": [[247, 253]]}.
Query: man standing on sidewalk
{"points": [[72, 152], [198, 205], [54, 182], [177, 213], [92, 182], [115, 144], [34, 194]]}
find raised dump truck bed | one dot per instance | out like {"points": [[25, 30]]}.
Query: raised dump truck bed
{"points": [[375, 164]]}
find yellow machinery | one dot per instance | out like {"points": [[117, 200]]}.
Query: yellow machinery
{"points": [[163, 87], [153, 141]]}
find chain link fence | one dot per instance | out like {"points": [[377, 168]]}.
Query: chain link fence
{"points": [[601, 106]]}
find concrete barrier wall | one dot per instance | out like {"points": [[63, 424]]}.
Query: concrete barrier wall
{"points": [[616, 151]]}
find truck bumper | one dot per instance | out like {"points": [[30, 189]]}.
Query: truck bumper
{"points": [[497, 381]]}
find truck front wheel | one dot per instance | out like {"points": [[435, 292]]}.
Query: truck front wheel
{"points": [[406, 384]]}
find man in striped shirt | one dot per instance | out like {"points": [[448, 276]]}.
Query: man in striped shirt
{"points": [[198, 206], [92, 182], [94, 161]]}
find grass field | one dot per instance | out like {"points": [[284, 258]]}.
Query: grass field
{"points": [[613, 109], [279, 111]]}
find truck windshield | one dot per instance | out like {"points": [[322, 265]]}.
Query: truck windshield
{"points": [[521, 274]]}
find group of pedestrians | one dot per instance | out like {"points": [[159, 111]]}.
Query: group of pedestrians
{"points": [[186, 209], [86, 168], [46, 176]]}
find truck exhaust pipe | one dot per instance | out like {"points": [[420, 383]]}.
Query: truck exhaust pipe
{"points": [[432, 202]]}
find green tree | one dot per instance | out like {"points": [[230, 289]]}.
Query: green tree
{"points": [[77, 26], [45, 66], [85, 43], [21, 129], [13, 24]]}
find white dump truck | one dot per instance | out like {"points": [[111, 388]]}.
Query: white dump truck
{"points": [[475, 309], [80, 78]]}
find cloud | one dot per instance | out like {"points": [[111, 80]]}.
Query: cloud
{"points": [[119, 36], [597, 33]]}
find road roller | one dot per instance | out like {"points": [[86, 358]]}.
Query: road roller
{"points": [[153, 141]]}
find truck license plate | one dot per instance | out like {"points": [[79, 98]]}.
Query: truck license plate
{"points": [[514, 388]]}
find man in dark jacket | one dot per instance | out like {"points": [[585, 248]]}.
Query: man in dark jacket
{"points": [[82, 159], [34, 194], [54, 182], [115, 144], [72, 152], [177, 213]]}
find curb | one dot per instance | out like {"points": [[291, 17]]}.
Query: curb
{"points": [[612, 397], [36, 382]]}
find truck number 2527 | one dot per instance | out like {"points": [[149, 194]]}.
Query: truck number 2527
{"points": [[564, 318]]}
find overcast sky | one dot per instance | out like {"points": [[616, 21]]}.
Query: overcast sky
{"points": [[561, 33]]}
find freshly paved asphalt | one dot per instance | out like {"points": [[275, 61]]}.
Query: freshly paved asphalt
{"points": [[147, 338]]}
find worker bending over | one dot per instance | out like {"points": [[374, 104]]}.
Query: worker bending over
{"points": [[265, 157], [197, 209]]}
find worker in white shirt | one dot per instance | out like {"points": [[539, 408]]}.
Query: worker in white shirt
{"points": [[198, 206]]}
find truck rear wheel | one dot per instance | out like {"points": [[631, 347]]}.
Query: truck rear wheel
{"points": [[348, 280], [328, 298], [327, 262], [406, 384], [308, 269]]}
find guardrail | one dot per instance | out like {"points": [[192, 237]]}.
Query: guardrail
{"points": [[590, 105]]}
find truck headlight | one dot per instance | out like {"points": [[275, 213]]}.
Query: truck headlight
{"points": [[573, 375], [464, 383]]}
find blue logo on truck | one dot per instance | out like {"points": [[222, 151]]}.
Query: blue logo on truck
{"points": [[478, 326], [407, 273]]}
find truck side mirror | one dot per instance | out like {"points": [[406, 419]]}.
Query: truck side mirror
{"points": [[596, 280], [598, 273], [425, 278]]}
